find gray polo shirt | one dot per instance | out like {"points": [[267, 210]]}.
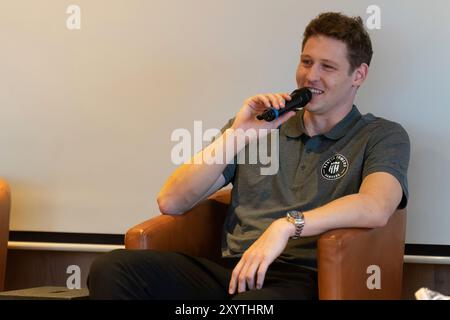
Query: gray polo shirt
{"points": [[313, 171]]}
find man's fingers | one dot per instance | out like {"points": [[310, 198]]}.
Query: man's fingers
{"points": [[261, 274], [286, 96], [274, 100], [250, 274], [264, 100], [281, 99], [234, 277], [242, 280]]}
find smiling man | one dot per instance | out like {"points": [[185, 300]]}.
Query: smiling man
{"points": [[337, 169]]}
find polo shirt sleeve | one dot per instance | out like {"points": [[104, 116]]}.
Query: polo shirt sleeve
{"points": [[230, 170], [388, 151]]}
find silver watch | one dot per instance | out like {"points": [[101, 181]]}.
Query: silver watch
{"points": [[296, 218]]}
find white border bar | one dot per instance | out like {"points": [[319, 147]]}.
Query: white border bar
{"points": [[52, 246]]}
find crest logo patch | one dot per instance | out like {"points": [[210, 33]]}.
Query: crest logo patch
{"points": [[335, 167]]}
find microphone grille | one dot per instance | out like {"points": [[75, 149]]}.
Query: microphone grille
{"points": [[303, 94]]}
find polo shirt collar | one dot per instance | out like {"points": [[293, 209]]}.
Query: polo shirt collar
{"points": [[343, 126], [295, 127]]}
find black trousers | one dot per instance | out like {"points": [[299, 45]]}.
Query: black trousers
{"points": [[149, 274]]}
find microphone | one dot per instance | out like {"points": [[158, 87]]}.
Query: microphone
{"points": [[300, 98]]}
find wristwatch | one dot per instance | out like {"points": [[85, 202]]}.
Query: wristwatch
{"points": [[296, 218]]}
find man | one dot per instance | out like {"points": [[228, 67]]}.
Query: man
{"points": [[338, 169]]}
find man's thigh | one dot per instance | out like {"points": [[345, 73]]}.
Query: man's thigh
{"points": [[149, 274], [284, 282]]}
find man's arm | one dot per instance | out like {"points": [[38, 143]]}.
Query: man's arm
{"points": [[379, 195], [200, 177], [195, 180]]}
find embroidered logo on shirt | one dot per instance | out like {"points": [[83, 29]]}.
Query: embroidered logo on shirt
{"points": [[335, 167]]}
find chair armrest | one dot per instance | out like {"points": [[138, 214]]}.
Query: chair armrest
{"points": [[344, 256], [197, 232], [5, 206]]}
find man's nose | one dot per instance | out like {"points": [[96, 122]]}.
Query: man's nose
{"points": [[313, 74]]}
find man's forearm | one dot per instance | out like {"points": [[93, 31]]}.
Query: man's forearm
{"points": [[352, 211], [379, 196], [192, 180]]}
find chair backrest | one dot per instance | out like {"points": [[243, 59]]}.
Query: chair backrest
{"points": [[5, 206]]}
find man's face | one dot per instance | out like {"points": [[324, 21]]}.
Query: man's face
{"points": [[324, 68]]}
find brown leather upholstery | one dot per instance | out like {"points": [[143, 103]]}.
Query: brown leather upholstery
{"points": [[197, 232], [5, 205], [343, 254]]}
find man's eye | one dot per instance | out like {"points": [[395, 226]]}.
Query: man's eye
{"points": [[328, 67], [306, 62]]}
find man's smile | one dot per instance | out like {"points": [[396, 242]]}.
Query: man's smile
{"points": [[315, 91]]}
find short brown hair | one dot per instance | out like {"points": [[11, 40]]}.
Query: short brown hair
{"points": [[350, 30]]}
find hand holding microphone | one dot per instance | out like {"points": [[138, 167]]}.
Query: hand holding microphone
{"points": [[299, 99], [275, 108]]}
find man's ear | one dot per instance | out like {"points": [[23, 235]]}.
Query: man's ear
{"points": [[360, 74]]}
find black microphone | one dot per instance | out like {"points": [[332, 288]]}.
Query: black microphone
{"points": [[300, 98]]}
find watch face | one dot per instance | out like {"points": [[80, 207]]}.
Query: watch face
{"points": [[295, 214]]}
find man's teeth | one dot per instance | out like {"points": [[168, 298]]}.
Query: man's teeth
{"points": [[316, 91]]}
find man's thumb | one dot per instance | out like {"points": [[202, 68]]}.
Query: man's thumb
{"points": [[285, 117]]}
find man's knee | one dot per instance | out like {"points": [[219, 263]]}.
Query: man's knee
{"points": [[106, 272], [107, 264], [123, 274]]}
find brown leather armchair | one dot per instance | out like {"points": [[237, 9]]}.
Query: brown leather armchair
{"points": [[5, 205], [344, 255]]}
